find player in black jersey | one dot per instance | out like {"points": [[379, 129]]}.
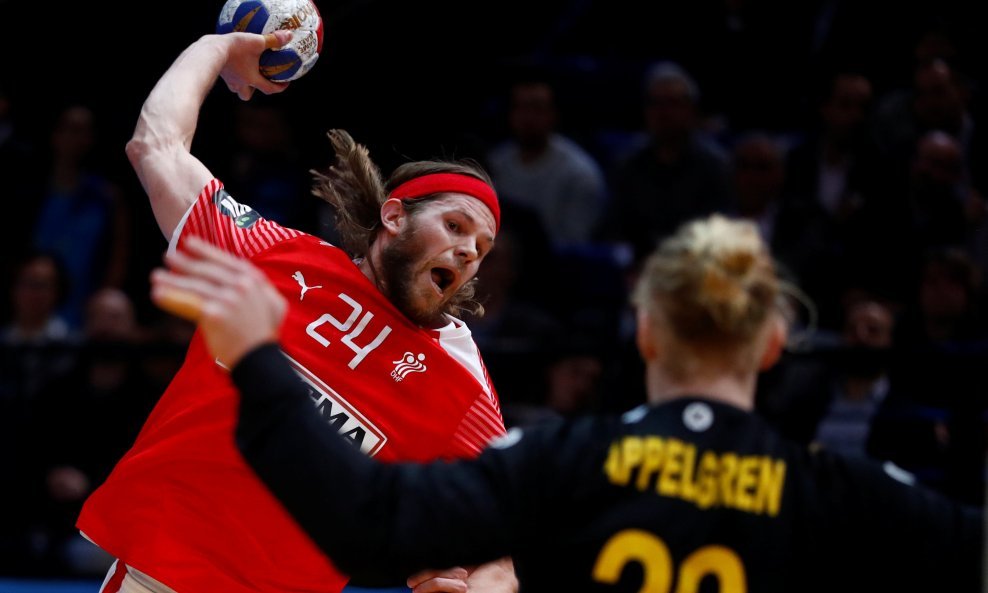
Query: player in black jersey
{"points": [[691, 493]]}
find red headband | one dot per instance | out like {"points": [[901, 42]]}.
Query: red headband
{"points": [[437, 183]]}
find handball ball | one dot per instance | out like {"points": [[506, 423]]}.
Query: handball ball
{"points": [[266, 16]]}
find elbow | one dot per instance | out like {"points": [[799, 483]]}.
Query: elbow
{"points": [[136, 150]]}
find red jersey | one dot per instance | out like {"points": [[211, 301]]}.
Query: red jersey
{"points": [[184, 508]]}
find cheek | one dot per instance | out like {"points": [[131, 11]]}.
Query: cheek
{"points": [[471, 270], [432, 238]]}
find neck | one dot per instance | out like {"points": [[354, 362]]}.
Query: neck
{"points": [[368, 266], [734, 390]]}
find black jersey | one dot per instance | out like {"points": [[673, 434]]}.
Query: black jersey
{"points": [[689, 496]]}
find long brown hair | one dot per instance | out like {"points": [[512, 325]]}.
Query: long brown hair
{"points": [[354, 186]]}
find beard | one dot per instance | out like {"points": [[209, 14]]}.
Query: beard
{"points": [[398, 262]]}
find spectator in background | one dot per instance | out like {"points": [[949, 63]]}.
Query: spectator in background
{"points": [[539, 167], [265, 166], [678, 174], [830, 172], [38, 287], [944, 205], [861, 379], [949, 305], [37, 340], [516, 328], [828, 395], [758, 169], [82, 214], [831, 166], [36, 346], [937, 99], [933, 207], [569, 380], [18, 176], [82, 424], [932, 422]]}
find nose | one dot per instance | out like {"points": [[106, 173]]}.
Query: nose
{"points": [[467, 249]]}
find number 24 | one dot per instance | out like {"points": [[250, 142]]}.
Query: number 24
{"points": [[633, 545]]}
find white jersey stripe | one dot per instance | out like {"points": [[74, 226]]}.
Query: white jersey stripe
{"points": [[209, 220], [490, 414], [483, 429], [478, 427]]}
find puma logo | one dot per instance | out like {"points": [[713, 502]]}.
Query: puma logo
{"points": [[301, 282]]}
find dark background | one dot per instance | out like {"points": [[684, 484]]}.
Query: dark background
{"points": [[418, 80], [420, 76]]}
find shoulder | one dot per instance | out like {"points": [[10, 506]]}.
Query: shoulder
{"points": [[574, 152]]}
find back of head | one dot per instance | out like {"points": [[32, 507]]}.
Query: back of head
{"points": [[709, 290]]}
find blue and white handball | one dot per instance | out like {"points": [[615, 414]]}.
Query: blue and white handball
{"points": [[265, 16]]}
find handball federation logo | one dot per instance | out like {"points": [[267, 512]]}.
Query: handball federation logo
{"points": [[409, 363]]}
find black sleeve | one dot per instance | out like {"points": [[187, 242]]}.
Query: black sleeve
{"points": [[378, 522], [908, 536]]}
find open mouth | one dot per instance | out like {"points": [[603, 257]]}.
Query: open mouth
{"points": [[443, 278]]}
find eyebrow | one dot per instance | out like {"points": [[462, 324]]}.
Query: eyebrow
{"points": [[473, 221]]}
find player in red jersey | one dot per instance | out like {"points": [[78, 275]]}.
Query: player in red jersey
{"points": [[373, 331]]}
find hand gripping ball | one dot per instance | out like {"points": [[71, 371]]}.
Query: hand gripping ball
{"points": [[265, 16]]}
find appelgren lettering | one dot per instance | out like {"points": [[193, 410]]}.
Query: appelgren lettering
{"points": [[675, 468]]}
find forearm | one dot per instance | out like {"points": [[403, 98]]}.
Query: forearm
{"points": [[328, 487], [494, 577], [159, 147], [171, 110], [373, 519]]}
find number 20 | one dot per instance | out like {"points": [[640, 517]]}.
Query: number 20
{"points": [[633, 545]]}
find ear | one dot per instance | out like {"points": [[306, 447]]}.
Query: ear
{"points": [[393, 215], [774, 344], [648, 346]]}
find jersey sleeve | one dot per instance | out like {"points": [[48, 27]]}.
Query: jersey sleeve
{"points": [[480, 425], [887, 523], [234, 227]]}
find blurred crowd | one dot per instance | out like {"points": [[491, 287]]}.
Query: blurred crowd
{"points": [[867, 178]]}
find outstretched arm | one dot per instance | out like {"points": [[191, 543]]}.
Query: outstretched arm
{"points": [[159, 149]]}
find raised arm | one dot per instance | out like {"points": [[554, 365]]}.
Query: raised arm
{"points": [[159, 149]]}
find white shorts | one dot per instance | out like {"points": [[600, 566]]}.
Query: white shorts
{"points": [[126, 579]]}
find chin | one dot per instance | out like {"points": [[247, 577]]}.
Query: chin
{"points": [[428, 319], [424, 311]]}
